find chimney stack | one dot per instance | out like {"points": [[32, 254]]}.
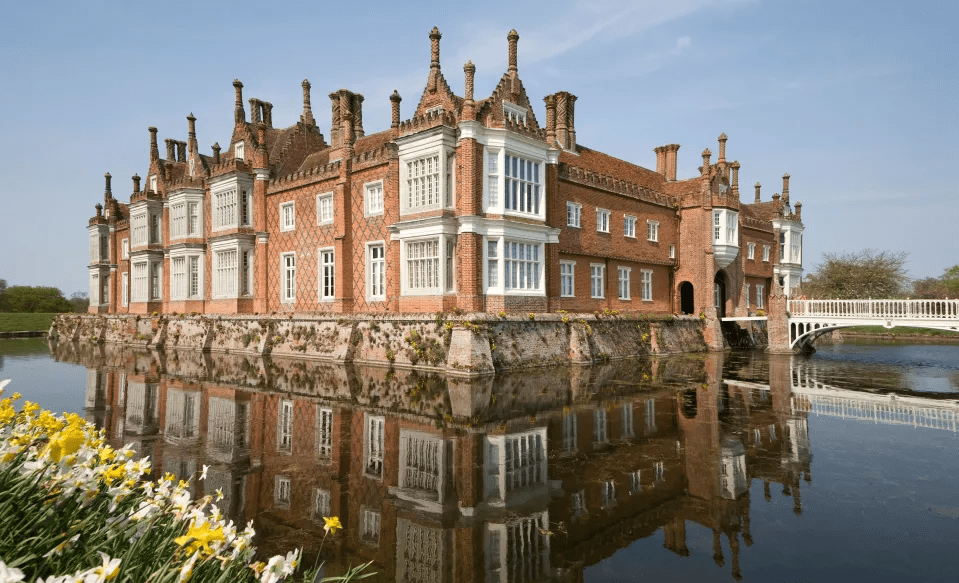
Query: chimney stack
{"points": [[191, 121], [660, 159], [216, 153], [671, 152], [513, 38], [565, 120], [154, 150], [735, 179], [181, 151], [268, 114], [99, 208], [170, 150], [107, 193], [356, 107], [435, 37], [798, 211], [470, 69], [395, 105], [706, 155], [758, 186], [786, 188], [136, 183], [255, 111], [307, 116], [239, 116], [550, 119], [722, 148]]}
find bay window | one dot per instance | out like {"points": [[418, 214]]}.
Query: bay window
{"points": [[231, 203], [515, 183], [140, 281], [522, 266], [185, 276]]}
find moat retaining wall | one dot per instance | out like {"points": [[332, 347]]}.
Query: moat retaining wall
{"points": [[470, 344]]}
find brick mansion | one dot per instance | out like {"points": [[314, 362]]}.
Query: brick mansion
{"points": [[465, 204]]}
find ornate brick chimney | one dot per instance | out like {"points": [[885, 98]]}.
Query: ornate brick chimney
{"points": [[154, 150], [307, 116], [671, 152], [758, 186], [239, 116], [786, 188], [395, 100]]}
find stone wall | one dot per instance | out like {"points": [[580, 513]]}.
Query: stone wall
{"points": [[466, 344]]}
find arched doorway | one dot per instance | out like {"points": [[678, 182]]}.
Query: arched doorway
{"points": [[686, 303], [719, 295]]}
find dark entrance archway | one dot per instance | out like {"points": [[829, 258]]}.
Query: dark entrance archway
{"points": [[686, 300], [719, 295]]}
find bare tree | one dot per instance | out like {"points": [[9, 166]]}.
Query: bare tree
{"points": [[859, 275]]}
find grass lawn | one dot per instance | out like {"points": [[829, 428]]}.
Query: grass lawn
{"points": [[11, 322], [898, 331]]}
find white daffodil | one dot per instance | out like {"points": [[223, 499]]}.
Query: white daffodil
{"points": [[107, 571], [203, 473], [9, 574], [187, 570], [60, 548]]}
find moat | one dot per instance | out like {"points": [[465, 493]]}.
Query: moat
{"points": [[717, 466]]}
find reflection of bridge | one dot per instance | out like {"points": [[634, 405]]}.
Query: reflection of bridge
{"points": [[809, 319], [811, 396]]}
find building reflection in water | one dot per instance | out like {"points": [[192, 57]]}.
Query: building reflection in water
{"points": [[521, 477]]}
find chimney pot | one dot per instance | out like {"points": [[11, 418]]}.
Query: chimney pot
{"points": [[435, 37], [239, 115], [180, 151], [671, 152], [307, 116], [170, 150], [550, 119], [107, 192], [216, 153], [798, 210], [192, 125], [660, 159], [136, 183], [758, 186], [786, 188], [722, 147], [154, 150], [735, 178], [268, 114], [470, 69], [99, 208], [513, 38]]}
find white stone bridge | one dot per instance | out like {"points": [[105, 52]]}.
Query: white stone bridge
{"points": [[809, 319]]}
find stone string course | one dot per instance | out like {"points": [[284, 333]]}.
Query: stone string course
{"points": [[463, 344]]}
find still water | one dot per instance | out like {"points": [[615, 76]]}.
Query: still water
{"points": [[718, 467]]}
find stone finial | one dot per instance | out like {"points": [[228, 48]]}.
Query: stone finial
{"points": [[154, 150], [758, 186], [106, 190], [395, 100], [706, 154], [239, 115], [786, 188], [722, 148], [170, 149], [307, 115], [435, 37], [470, 69], [216, 153], [136, 183]]}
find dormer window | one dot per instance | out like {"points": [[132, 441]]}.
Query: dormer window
{"points": [[153, 182], [725, 236], [238, 151], [435, 110], [514, 113]]}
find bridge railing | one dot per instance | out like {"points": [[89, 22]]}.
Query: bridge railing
{"points": [[879, 309]]}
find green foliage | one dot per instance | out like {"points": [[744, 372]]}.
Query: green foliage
{"points": [[944, 286], [25, 322], [24, 298], [860, 275]]}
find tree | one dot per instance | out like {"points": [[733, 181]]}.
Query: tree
{"points": [[945, 286], [3, 293], [23, 298], [860, 275], [80, 301]]}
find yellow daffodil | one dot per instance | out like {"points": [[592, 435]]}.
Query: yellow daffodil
{"points": [[198, 538], [332, 524]]}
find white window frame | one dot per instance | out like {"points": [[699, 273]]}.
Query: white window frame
{"points": [[239, 150], [287, 216], [522, 266], [602, 220], [597, 281], [326, 273], [652, 231], [125, 248], [498, 144], [156, 281], [567, 279], [423, 269], [288, 278], [376, 272], [373, 198], [155, 227], [646, 284], [766, 253], [437, 149], [747, 296], [574, 214], [321, 204], [751, 250], [629, 226], [672, 251], [140, 279], [324, 433], [178, 220], [125, 284], [282, 492], [624, 283], [226, 272], [153, 183], [514, 113], [760, 291], [139, 229]]}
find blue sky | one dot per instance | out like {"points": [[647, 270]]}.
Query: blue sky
{"points": [[857, 101]]}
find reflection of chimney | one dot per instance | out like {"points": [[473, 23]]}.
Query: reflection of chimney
{"points": [[718, 548], [766, 493], [734, 548], [758, 186], [671, 151]]}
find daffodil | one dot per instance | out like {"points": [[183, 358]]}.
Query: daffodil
{"points": [[186, 571], [332, 524], [199, 537], [9, 574]]}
